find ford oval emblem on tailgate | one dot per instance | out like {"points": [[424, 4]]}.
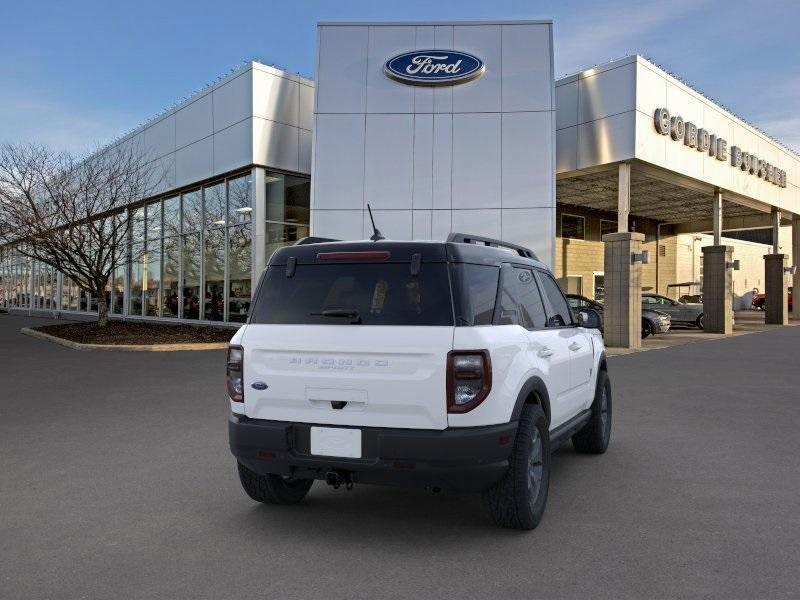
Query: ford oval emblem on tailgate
{"points": [[259, 385]]}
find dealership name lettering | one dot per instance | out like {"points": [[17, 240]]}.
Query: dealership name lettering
{"points": [[703, 141]]}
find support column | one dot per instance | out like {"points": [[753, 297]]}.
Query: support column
{"points": [[776, 290], [796, 263], [623, 197], [717, 289], [718, 218], [258, 197], [622, 315]]}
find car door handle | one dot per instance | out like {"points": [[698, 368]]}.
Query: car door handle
{"points": [[575, 346], [545, 352]]}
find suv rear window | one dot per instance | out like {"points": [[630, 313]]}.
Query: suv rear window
{"points": [[346, 293]]}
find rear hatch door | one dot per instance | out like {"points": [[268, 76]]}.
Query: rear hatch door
{"points": [[344, 342]]}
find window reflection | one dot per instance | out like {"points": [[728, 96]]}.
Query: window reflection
{"points": [[215, 205], [135, 286], [239, 269], [169, 277], [190, 258], [214, 298], [151, 263], [192, 211], [239, 206], [172, 216]]}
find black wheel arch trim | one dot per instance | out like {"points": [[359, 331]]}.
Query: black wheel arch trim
{"points": [[534, 385]]}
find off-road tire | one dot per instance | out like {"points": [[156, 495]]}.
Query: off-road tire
{"points": [[273, 489], [594, 437], [516, 501]]}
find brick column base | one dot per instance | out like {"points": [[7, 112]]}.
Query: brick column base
{"points": [[776, 290], [717, 290], [622, 313]]}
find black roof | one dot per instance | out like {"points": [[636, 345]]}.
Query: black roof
{"points": [[306, 251]]}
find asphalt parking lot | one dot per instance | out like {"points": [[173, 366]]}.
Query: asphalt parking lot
{"points": [[116, 482]]}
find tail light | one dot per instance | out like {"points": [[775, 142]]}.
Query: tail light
{"points": [[469, 379], [234, 373]]}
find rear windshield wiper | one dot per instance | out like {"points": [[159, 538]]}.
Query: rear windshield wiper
{"points": [[342, 313]]}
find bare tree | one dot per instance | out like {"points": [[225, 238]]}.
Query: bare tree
{"points": [[70, 213]]}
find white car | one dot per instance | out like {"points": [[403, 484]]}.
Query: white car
{"points": [[451, 365]]}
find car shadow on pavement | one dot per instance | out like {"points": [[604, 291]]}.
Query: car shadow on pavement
{"points": [[408, 516]]}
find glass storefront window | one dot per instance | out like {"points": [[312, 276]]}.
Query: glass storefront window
{"points": [[172, 216], [282, 234], [288, 198], [137, 225], [239, 272], [151, 263], [240, 208], [215, 206], [192, 211], [118, 286], [153, 220], [135, 281], [214, 292], [169, 277], [190, 260]]}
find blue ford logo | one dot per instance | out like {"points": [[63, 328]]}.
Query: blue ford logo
{"points": [[434, 67]]}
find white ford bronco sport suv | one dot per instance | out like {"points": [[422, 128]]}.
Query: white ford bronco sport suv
{"points": [[452, 365]]}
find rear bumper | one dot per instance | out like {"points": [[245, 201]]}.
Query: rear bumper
{"points": [[464, 459]]}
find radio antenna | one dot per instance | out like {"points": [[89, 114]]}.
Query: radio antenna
{"points": [[376, 232]]}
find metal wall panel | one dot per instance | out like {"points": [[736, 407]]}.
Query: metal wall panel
{"points": [[393, 224], [276, 145], [389, 172], [340, 224], [339, 162], [194, 121], [159, 138], [526, 76], [385, 95], [342, 69], [305, 141], [476, 171], [527, 174], [483, 94], [484, 222], [423, 163], [233, 101], [566, 149], [607, 93], [276, 98], [606, 140], [567, 105], [532, 228], [442, 161], [233, 146], [194, 162], [306, 101]]}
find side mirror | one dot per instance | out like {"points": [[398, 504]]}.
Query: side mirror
{"points": [[589, 318]]}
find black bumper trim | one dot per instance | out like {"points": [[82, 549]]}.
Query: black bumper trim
{"points": [[459, 459]]}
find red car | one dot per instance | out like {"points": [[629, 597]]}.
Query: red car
{"points": [[760, 299]]}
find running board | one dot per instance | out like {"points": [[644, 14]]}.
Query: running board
{"points": [[561, 434]]}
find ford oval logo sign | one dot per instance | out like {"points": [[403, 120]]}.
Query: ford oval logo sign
{"points": [[434, 67]]}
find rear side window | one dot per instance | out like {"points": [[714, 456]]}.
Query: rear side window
{"points": [[476, 291], [344, 294], [520, 300], [561, 315]]}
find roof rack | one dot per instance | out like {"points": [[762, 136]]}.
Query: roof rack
{"points": [[465, 238], [313, 240]]}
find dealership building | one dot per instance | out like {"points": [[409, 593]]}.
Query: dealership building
{"points": [[621, 177]]}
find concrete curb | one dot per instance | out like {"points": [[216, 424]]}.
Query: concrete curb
{"points": [[123, 347]]}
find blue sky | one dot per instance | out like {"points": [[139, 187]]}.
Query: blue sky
{"points": [[75, 74]]}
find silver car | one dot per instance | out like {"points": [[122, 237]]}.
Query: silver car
{"points": [[682, 313], [653, 321]]}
